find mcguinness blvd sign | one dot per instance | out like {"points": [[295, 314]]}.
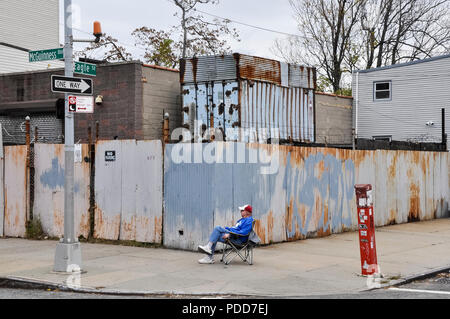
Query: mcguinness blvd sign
{"points": [[46, 55]]}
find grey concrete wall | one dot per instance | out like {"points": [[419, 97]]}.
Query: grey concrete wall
{"points": [[333, 119], [161, 94]]}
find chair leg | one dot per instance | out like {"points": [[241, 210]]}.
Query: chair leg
{"points": [[251, 256]]}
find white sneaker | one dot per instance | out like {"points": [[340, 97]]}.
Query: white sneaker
{"points": [[206, 260], [205, 250]]}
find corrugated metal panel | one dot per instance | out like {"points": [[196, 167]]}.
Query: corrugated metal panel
{"points": [[129, 191], [207, 69], [49, 190], [419, 92], [240, 66], [260, 103], [272, 111], [30, 24], [258, 69], [301, 76], [15, 191], [108, 191], [311, 195], [50, 129], [262, 110]]}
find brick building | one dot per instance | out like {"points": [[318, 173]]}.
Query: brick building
{"points": [[135, 98]]}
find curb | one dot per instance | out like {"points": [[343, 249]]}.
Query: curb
{"points": [[30, 284], [422, 276], [410, 279]]}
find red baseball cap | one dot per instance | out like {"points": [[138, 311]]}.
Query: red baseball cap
{"points": [[247, 208]]}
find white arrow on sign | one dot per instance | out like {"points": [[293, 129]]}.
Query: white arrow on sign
{"points": [[61, 84], [82, 86]]}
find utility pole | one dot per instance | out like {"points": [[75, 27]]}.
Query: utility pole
{"points": [[68, 250]]}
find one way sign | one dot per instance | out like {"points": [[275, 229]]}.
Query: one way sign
{"points": [[61, 84]]}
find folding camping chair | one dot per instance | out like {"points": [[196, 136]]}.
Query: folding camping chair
{"points": [[236, 248]]}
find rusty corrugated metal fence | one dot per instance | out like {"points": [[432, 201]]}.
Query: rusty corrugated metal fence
{"points": [[296, 192], [311, 194]]}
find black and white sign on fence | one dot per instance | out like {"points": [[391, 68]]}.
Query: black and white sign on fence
{"points": [[110, 156], [62, 84]]}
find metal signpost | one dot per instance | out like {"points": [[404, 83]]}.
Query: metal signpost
{"points": [[68, 251]]}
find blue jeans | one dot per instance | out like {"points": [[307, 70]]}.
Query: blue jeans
{"points": [[216, 237]]}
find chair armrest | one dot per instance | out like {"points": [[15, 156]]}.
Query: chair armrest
{"points": [[237, 235]]}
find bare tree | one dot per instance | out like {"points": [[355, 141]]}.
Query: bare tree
{"points": [[200, 36], [327, 28], [112, 50], [406, 30], [338, 36]]}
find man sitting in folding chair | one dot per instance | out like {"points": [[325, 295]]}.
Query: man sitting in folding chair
{"points": [[238, 235]]}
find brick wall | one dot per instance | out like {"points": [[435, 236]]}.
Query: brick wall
{"points": [[119, 115], [161, 94], [333, 119], [21, 87], [135, 98]]}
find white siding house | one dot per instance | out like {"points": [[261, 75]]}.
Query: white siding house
{"points": [[27, 25], [403, 102]]}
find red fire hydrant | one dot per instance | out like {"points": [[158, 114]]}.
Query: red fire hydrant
{"points": [[366, 224]]}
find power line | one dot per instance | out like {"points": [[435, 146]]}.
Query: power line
{"points": [[248, 25], [253, 26]]}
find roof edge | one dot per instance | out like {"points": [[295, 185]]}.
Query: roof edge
{"points": [[404, 64]]}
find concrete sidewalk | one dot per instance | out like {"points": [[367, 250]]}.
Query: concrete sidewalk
{"points": [[311, 267]]}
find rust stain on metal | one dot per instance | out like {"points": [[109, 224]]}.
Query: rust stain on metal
{"points": [[182, 70], [84, 225], [158, 230], [414, 204], [256, 68], [260, 231], [393, 167], [320, 169], [270, 221], [425, 163], [289, 216], [58, 219], [392, 215], [194, 68], [128, 231]]}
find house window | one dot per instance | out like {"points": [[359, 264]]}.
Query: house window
{"points": [[382, 91]]}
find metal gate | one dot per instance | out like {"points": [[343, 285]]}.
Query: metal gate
{"points": [[15, 191], [49, 190], [128, 191]]}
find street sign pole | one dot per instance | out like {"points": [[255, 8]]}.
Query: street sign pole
{"points": [[68, 251]]}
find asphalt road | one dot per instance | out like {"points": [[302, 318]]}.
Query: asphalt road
{"points": [[437, 287]]}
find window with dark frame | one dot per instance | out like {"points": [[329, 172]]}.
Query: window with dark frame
{"points": [[382, 90]]}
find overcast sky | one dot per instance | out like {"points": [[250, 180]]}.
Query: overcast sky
{"points": [[120, 18]]}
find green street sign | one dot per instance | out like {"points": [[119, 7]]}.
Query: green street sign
{"points": [[85, 68], [46, 55]]}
